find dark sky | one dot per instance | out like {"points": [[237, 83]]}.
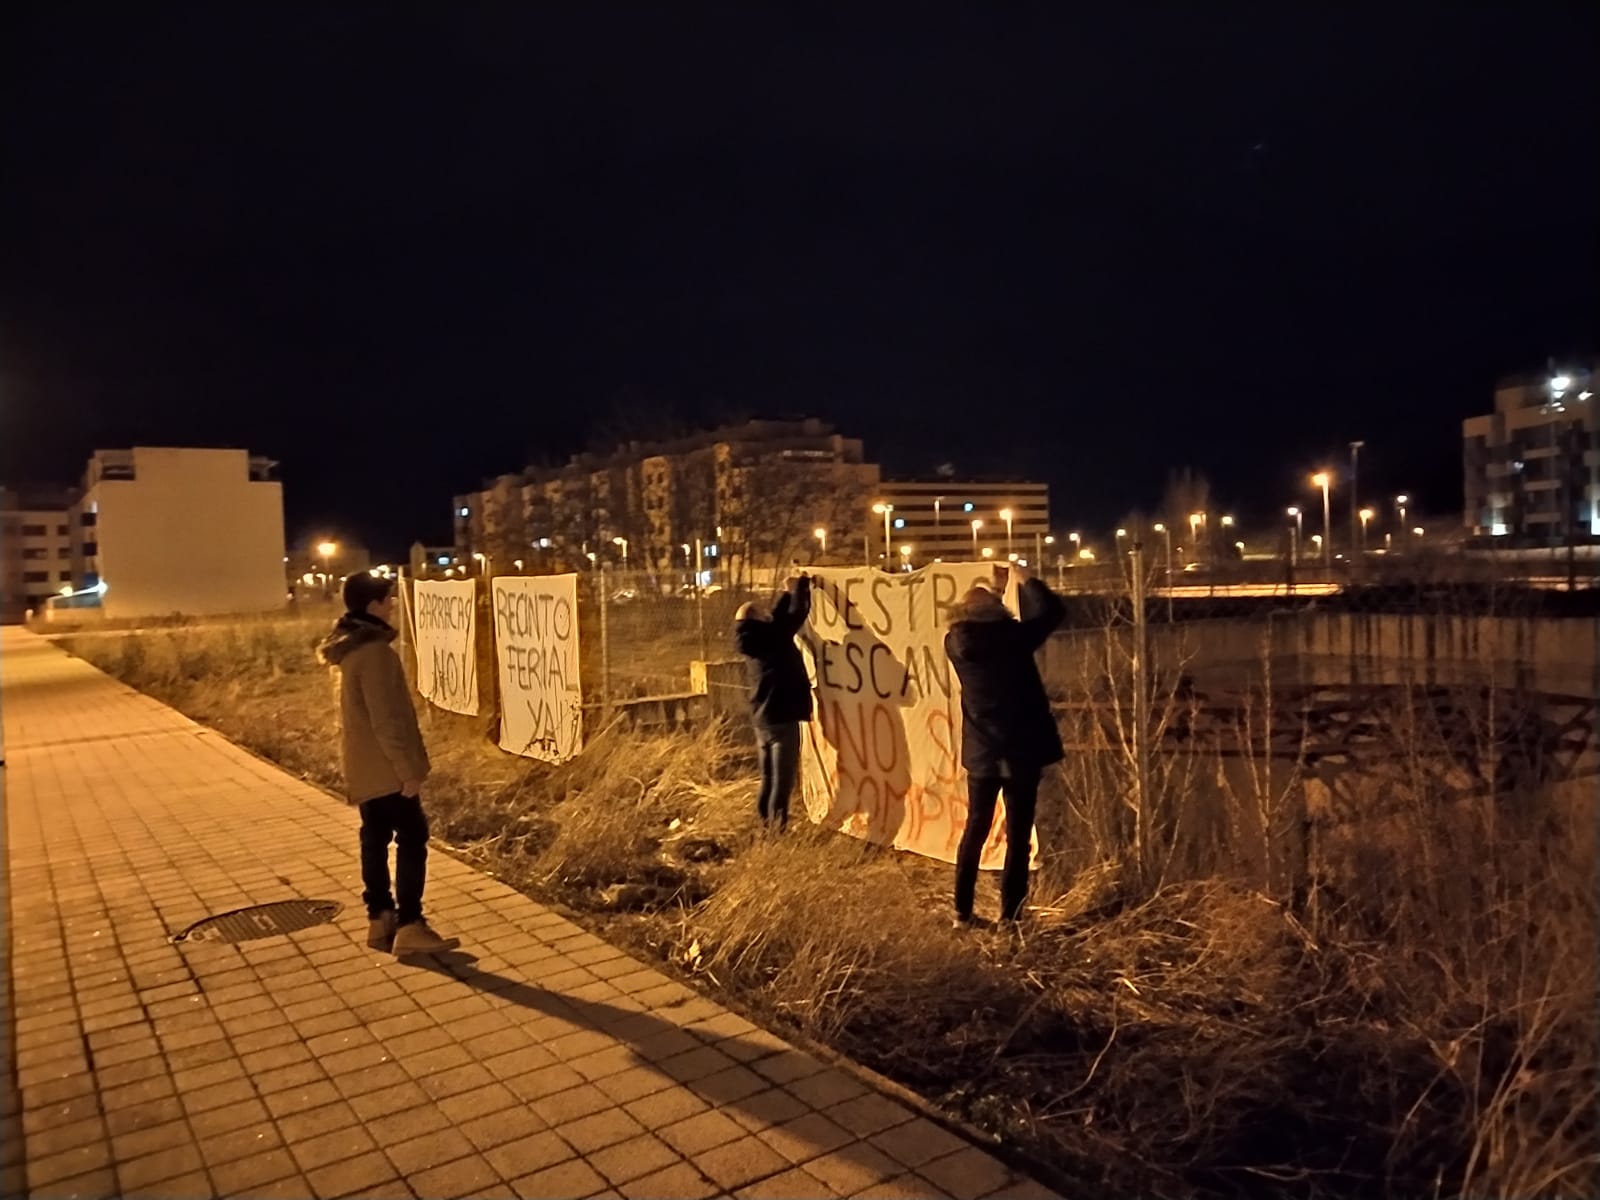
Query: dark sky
{"points": [[402, 247]]}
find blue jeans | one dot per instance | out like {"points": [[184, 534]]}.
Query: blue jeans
{"points": [[779, 748]]}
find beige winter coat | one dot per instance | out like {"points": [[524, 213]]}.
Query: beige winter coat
{"points": [[379, 736]]}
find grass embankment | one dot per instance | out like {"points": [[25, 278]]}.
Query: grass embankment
{"points": [[1435, 1037]]}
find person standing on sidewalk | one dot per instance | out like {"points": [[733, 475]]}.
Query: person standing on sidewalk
{"points": [[780, 692], [1008, 733], [385, 763]]}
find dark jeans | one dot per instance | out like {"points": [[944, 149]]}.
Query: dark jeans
{"points": [[779, 747], [1022, 795], [398, 818]]}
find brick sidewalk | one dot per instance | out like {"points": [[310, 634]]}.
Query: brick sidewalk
{"points": [[301, 1065]]}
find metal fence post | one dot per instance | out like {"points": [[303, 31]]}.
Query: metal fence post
{"points": [[605, 643], [1143, 833]]}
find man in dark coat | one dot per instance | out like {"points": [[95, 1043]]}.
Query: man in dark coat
{"points": [[1008, 733], [780, 692]]}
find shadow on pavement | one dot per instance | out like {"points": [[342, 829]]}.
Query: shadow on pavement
{"points": [[724, 1087]]}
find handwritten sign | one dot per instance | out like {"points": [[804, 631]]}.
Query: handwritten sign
{"points": [[445, 622], [536, 654], [880, 758]]}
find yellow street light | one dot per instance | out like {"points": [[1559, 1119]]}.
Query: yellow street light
{"points": [[976, 525], [327, 549], [1005, 515], [821, 535], [988, 551], [885, 510], [1324, 480]]}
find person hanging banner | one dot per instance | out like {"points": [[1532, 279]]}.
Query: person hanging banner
{"points": [[880, 757], [444, 624], [536, 654]]}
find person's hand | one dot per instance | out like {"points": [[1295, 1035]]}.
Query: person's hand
{"points": [[1021, 573], [411, 788]]}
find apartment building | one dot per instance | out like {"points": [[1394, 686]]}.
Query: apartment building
{"points": [[919, 521], [1531, 468], [179, 530], [42, 548], [730, 504]]}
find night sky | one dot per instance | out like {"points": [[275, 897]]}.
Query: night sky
{"points": [[403, 247]]}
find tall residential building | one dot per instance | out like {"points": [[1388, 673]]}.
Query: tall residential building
{"points": [[184, 531], [41, 548], [1532, 467], [933, 519], [747, 498]]}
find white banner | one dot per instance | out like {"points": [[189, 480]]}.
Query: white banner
{"points": [[880, 758], [536, 652], [444, 622]]}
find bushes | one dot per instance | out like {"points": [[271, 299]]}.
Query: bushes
{"points": [[1422, 1023]]}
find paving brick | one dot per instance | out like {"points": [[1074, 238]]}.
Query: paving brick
{"points": [[598, 1130], [665, 1108], [470, 1176], [967, 1174], [853, 1169], [252, 1173], [628, 1160], [701, 1132], [917, 1141], [162, 1165], [793, 1184], [335, 1146], [418, 1153], [807, 1137], [500, 1128], [528, 1155], [737, 1163], [353, 1175], [67, 1164], [574, 1178], [241, 1143], [680, 1181]]}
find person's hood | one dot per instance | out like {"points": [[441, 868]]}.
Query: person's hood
{"points": [[350, 633], [982, 605]]}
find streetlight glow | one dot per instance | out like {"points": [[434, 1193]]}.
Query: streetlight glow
{"points": [[1324, 480]]}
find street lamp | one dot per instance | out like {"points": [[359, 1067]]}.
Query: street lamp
{"points": [[1299, 532], [988, 551], [517, 562], [623, 542], [938, 502], [1324, 480], [821, 535], [885, 510], [1077, 541], [1166, 533], [1005, 515], [905, 558], [484, 559], [976, 525], [1400, 502], [1366, 515]]}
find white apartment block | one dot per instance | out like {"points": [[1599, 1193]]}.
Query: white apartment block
{"points": [[184, 531], [1532, 467]]}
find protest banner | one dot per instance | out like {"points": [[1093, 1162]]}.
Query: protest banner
{"points": [[444, 625], [880, 757], [536, 654]]}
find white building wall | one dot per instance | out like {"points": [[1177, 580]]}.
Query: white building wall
{"points": [[190, 533]]}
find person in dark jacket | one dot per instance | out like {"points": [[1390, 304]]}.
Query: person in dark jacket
{"points": [[780, 692], [1008, 734]]}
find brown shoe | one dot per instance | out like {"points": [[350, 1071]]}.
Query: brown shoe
{"points": [[418, 937], [381, 930]]}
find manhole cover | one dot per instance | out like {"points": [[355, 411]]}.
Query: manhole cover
{"points": [[261, 920]]}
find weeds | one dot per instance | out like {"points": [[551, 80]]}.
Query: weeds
{"points": [[1417, 1018]]}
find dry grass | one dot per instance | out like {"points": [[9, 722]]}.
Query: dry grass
{"points": [[1424, 1025]]}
